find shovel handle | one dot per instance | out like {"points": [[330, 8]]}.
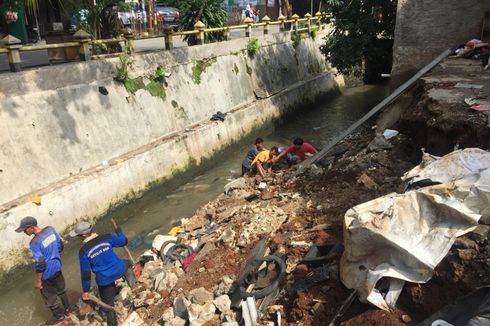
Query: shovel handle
{"points": [[125, 247]]}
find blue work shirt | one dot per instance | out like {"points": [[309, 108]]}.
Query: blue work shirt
{"points": [[97, 255], [46, 247], [252, 152]]}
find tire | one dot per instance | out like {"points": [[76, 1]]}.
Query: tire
{"points": [[259, 294]]}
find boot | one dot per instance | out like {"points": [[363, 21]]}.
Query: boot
{"points": [[64, 300], [111, 318]]}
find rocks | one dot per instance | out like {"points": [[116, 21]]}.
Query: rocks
{"points": [[201, 296], [195, 222], [465, 243], [199, 314], [466, 254], [165, 281], [133, 320], [406, 319], [239, 183], [367, 181], [168, 314], [228, 235], [180, 307], [379, 143], [176, 321], [224, 286], [223, 303]]}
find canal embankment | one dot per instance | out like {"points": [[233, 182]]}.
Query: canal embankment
{"points": [[310, 209], [77, 142]]}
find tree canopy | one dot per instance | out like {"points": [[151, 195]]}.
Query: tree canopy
{"points": [[359, 25]]}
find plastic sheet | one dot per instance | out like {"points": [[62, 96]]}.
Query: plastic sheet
{"points": [[405, 236]]}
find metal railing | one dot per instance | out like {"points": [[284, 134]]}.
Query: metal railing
{"points": [[86, 45]]}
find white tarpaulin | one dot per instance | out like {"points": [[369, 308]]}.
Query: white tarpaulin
{"points": [[402, 237]]}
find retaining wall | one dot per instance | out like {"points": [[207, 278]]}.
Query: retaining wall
{"points": [[425, 28], [79, 140]]}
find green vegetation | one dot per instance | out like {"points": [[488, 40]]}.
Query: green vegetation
{"points": [[175, 104], [134, 84], [156, 86], [200, 67], [210, 12], [235, 69], [122, 71], [359, 26], [313, 31], [296, 38], [253, 46]]}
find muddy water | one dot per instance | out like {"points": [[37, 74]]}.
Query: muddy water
{"points": [[158, 209]]}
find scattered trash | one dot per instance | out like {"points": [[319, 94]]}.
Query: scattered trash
{"points": [[470, 86], [35, 200], [481, 107], [379, 142], [262, 185], [319, 254], [218, 116], [390, 133]]}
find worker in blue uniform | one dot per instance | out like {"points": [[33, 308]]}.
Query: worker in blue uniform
{"points": [[97, 256], [46, 246]]}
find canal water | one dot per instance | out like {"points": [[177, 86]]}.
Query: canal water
{"points": [[159, 208]]}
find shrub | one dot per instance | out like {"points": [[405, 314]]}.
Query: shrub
{"points": [[296, 38], [253, 46]]}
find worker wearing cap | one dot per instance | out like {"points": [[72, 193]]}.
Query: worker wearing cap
{"points": [[97, 255], [46, 246]]}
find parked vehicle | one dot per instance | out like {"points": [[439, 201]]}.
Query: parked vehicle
{"points": [[137, 14], [169, 16]]}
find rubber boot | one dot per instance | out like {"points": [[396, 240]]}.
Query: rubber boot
{"points": [[111, 318], [64, 300]]}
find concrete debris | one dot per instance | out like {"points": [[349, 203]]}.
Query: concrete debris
{"points": [[201, 296], [367, 181], [239, 183], [379, 143], [223, 303], [228, 235], [134, 320]]}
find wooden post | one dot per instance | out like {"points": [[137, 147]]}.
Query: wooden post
{"points": [[13, 45], [199, 26], [248, 30], [130, 256], [266, 20], [84, 39]]}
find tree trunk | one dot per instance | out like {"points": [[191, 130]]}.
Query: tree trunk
{"points": [[286, 9]]}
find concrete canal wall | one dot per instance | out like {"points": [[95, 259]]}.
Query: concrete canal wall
{"points": [[81, 141]]}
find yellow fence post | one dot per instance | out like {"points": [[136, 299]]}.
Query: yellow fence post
{"points": [[282, 26], [266, 20], [248, 30], [13, 44], [199, 26], [128, 40], [308, 22], [169, 38], [318, 16], [84, 39], [226, 34], [295, 18]]}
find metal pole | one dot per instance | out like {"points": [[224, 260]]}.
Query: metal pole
{"points": [[400, 90]]}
